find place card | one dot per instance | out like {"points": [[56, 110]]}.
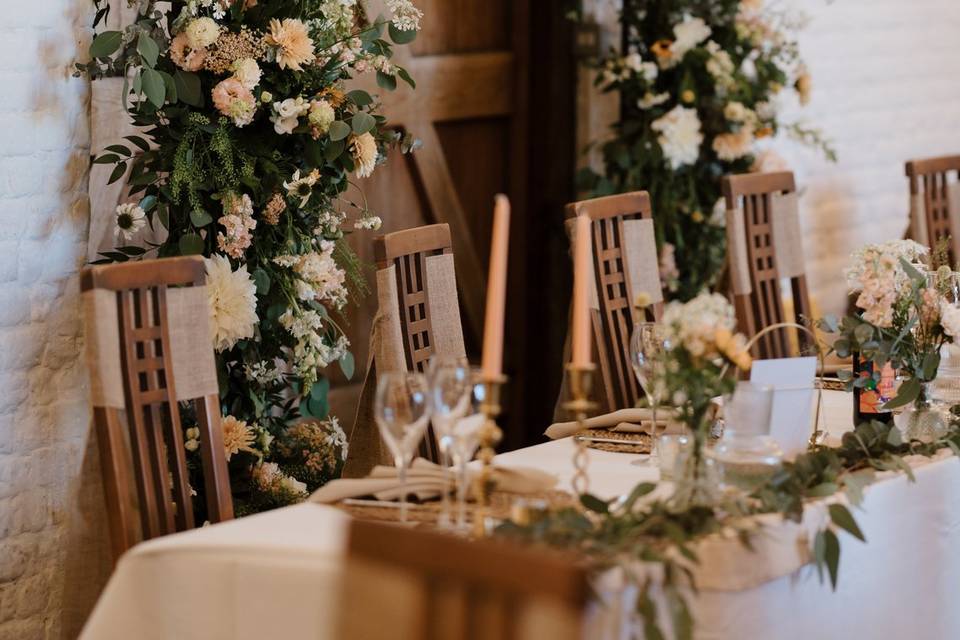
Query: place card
{"points": [[791, 422]]}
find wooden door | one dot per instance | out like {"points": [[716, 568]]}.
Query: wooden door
{"points": [[469, 110]]}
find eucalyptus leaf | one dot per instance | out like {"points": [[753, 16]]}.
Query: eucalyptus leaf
{"points": [[153, 86], [386, 81], [832, 556], [360, 97], [339, 130], [402, 36], [908, 392], [200, 218], [262, 279], [363, 122], [190, 244], [593, 503], [148, 49], [347, 365], [842, 517], [188, 88], [105, 44]]}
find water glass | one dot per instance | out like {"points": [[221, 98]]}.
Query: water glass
{"points": [[648, 345], [451, 382], [402, 411], [747, 456]]}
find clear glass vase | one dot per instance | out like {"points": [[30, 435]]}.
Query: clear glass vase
{"points": [[927, 419], [746, 456]]}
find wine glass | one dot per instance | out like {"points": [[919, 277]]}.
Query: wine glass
{"points": [[451, 386], [647, 346], [465, 434], [402, 411]]}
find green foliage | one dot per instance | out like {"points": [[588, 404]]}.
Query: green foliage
{"points": [[666, 531]]}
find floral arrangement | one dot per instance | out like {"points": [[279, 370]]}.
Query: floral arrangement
{"points": [[700, 84], [702, 350], [906, 314], [250, 139]]}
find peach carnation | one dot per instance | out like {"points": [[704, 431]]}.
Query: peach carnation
{"points": [[184, 56], [235, 101]]}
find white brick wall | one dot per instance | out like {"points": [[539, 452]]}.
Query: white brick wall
{"points": [[885, 92], [52, 539]]}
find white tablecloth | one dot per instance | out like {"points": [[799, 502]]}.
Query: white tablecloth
{"points": [[276, 575]]}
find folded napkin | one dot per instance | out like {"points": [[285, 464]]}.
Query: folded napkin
{"points": [[636, 420], [426, 480]]}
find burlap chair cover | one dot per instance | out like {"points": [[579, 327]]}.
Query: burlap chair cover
{"points": [[918, 220], [388, 353], [643, 276], [786, 236], [188, 325]]}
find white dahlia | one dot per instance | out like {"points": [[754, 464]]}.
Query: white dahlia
{"points": [[233, 302], [680, 136], [364, 149]]}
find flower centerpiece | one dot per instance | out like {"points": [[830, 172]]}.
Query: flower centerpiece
{"points": [[250, 138], [703, 352], [905, 317], [701, 83]]}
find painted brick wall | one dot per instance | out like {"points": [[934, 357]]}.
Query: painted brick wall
{"points": [[885, 92], [52, 545]]}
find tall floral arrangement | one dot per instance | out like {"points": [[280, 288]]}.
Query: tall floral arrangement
{"points": [[250, 139], [700, 82]]}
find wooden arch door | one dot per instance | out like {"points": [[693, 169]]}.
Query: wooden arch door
{"points": [[469, 110]]}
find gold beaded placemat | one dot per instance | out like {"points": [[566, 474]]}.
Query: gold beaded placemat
{"points": [[635, 443], [426, 514]]}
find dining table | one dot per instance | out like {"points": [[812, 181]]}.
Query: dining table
{"points": [[278, 574]]}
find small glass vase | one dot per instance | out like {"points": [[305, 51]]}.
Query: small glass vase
{"points": [[694, 477], [928, 418], [746, 456]]}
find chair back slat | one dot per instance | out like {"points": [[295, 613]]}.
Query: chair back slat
{"points": [[613, 321], [762, 307], [444, 588], [156, 464], [407, 251], [930, 194]]}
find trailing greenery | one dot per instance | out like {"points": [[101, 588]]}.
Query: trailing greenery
{"points": [[662, 532]]}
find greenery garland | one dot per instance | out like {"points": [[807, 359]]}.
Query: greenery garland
{"points": [[250, 141], [663, 532], [700, 83]]}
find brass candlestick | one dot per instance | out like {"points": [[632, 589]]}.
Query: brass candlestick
{"points": [[490, 435], [580, 384]]}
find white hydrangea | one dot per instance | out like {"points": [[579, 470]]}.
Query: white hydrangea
{"points": [[680, 136], [406, 17], [687, 35], [693, 324]]}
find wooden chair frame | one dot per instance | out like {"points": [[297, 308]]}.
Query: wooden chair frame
{"points": [[470, 588], [763, 307], [613, 321], [152, 424], [408, 251], [933, 175]]}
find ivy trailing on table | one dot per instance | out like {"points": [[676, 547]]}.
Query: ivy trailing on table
{"points": [[624, 532]]}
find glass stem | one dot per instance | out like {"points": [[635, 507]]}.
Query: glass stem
{"points": [[402, 475], [445, 518], [462, 488], [654, 445]]}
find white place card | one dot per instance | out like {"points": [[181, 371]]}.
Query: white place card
{"points": [[792, 380]]}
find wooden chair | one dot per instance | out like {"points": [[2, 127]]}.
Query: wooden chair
{"points": [[763, 247], [427, 325], [409, 584], [618, 280], [935, 202], [149, 348]]}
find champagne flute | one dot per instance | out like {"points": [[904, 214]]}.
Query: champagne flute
{"points": [[402, 411], [647, 346], [451, 386]]}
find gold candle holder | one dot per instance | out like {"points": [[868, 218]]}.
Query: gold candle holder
{"points": [[580, 385], [489, 436]]}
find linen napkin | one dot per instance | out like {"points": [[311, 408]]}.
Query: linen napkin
{"points": [[425, 480], [635, 420]]}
